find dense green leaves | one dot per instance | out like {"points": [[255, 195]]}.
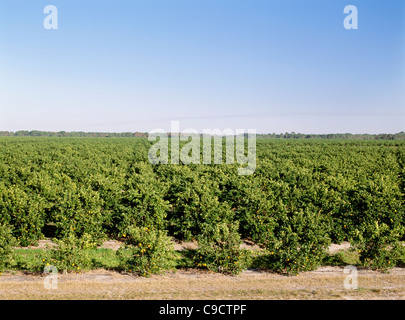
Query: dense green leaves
{"points": [[6, 247], [303, 195], [146, 251], [298, 242], [219, 249]]}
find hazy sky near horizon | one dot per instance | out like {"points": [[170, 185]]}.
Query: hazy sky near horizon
{"points": [[274, 66]]}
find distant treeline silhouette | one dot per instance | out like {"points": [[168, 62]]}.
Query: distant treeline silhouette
{"points": [[37, 133], [286, 135], [365, 136]]}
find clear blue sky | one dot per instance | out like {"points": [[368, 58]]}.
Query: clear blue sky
{"points": [[134, 65]]}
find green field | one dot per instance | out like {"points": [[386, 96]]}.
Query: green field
{"points": [[303, 195]]}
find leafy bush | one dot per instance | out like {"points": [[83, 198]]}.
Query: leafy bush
{"points": [[219, 249], [379, 246], [7, 242], [22, 212], [70, 254], [301, 194], [79, 212], [194, 204], [255, 204], [140, 203], [146, 252], [298, 243]]}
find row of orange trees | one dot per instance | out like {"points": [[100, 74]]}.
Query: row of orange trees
{"points": [[302, 196]]}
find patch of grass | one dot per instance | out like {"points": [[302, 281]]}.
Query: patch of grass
{"points": [[342, 258], [29, 260], [103, 258]]}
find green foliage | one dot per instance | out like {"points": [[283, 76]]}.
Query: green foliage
{"points": [[80, 212], [23, 212], [303, 194], [379, 246], [298, 242], [7, 242], [140, 202], [219, 249], [146, 252], [193, 203], [71, 253]]}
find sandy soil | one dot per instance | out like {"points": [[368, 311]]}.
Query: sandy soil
{"points": [[324, 283]]}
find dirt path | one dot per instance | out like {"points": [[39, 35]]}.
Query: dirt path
{"points": [[324, 283]]}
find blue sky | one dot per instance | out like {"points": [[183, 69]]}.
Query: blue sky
{"points": [[273, 66]]}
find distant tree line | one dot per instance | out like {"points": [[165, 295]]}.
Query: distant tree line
{"points": [[293, 135], [286, 135], [37, 133]]}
